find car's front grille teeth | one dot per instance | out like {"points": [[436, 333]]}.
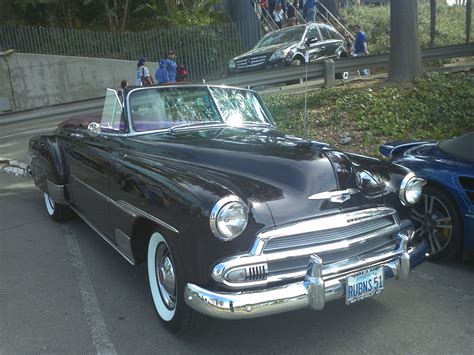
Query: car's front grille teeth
{"points": [[256, 272], [468, 186], [251, 62], [327, 236]]}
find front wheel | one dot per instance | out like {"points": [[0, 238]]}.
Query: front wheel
{"points": [[437, 219], [167, 288], [56, 211]]}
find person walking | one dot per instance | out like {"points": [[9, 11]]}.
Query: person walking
{"points": [[161, 74], [309, 10], [278, 15], [361, 47], [291, 13], [143, 74], [170, 65]]}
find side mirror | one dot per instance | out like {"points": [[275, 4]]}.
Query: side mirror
{"points": [[94, 127], [310, 41]]}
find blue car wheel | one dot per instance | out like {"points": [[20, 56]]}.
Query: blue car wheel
{"points": [[437, 219]]}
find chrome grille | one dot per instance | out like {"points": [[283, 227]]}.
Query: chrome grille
{"points": [[301, 263], [251, 61], [326, 236]]}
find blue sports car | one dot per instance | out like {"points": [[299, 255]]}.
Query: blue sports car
{"points": [[445, 214]]}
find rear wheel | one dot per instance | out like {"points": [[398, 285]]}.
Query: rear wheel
{"points": [[437, 219], [166, 282], [56, 211]]}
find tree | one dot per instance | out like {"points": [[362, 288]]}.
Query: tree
{"points": [[432, 22], [468, 20], [405, 50]]}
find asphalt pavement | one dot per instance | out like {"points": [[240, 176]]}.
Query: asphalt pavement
{"points": [[63, 290]]}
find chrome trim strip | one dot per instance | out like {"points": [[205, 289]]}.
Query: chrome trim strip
{"points": [[103, 236], [320, 224], [123, 242], [134, 211], [128, 208], [313, 291]]}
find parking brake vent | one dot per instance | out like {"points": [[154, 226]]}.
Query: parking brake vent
{"points": [[256, 272]]}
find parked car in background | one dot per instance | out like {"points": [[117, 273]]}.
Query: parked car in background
{"points": [[445, 214], [233, 218], [289, 46]]}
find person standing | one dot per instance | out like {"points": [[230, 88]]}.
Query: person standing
{"points": [[309, 10], [278, 15], [291, 13], [361, 47], [170, 66], [161, 74], [143, 74]]}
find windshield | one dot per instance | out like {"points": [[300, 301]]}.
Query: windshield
{"points": [[292, 34], [154, 109]]}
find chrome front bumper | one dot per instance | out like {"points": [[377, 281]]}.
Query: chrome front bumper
{"points": [[312, 292]]}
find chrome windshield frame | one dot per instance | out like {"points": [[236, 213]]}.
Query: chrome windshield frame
{"points": [[132, 132]]}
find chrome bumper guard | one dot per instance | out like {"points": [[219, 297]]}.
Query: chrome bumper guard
{"points": [[312, 292]]}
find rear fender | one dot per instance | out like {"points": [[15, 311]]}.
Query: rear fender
{"points": [[48, 166]]}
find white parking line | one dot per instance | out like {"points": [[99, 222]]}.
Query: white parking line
{"points": [[97, 327]]}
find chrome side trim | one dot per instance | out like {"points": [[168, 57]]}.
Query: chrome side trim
{"points": [[320, 224], [128, 208], [124, 242], [56, 192], [103, 236], [136, 212]]}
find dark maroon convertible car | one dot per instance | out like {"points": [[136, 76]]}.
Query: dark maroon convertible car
{"points": [[233, 218]]}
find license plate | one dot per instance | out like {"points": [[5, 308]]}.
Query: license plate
{"points": [[366, 283]]}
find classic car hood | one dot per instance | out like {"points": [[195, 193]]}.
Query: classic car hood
{"points": [[260, 166], [264, 50]]}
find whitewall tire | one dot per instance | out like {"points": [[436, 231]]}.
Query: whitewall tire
{"points": [[55, 210]]}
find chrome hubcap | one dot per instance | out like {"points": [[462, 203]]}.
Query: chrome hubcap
{"points": [[166, 276], [433, 222]]}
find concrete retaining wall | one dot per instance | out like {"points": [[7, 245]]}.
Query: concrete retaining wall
{"points": [[33, 80]]}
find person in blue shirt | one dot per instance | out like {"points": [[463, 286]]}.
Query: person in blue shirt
{"points": [[309, 10], [161, 74], [361, 47], [170, 66]]}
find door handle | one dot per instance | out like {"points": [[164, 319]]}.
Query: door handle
{"points": [[76, 135]]}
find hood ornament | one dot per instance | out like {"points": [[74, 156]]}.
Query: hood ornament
{"points": [[334, 196]]}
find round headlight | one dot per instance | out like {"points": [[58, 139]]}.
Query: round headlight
{"points": [[228, 218], [232, 65], [410, 189]]}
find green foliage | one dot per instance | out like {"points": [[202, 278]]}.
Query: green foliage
{"points": [[436, 107], [375, 21]]}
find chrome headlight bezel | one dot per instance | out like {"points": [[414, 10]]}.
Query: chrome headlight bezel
{"points": [[411, 189], [218, 225]]}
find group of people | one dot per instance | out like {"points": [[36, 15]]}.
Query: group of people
{"points": [[283, 10], [168, 72]]}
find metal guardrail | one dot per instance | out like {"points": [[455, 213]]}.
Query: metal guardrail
{"points": [[326, 70]]}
